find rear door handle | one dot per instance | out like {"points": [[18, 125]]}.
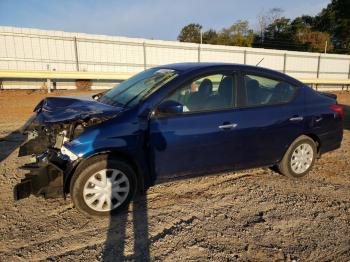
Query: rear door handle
{"points": [[227, 126], [296, 118], [318, 119]]}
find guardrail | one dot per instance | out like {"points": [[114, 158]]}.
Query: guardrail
{"points": [[52, 75], [49, 76], [63, 75], [315, 83]]}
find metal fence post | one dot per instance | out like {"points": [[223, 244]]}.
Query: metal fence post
{"points": [[245, 57], [76, 53], [318, 66], [284, 62], [48, 80], [14, 49], [8, 62], [144, 56], [347, 86], [318, 69], [199, 53]]}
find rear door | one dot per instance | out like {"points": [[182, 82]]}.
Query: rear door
{"points": [[270, 117]]}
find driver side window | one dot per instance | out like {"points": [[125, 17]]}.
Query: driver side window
{"points": [[208, 93]]}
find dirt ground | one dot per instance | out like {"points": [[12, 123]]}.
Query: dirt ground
{"points": [[252, 215]]}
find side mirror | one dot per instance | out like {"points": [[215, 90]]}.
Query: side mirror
{"points": [[97, 96], [170, 107]]}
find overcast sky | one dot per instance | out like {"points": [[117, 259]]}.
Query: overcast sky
{"points": [[158, 19]]}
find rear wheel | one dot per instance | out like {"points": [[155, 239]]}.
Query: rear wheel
{"points": [[103, 186], [299, 158]]}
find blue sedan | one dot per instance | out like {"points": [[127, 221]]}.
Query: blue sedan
{"points": [[195, 118]]}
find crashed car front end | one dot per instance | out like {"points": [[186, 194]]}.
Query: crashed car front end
{"points": [[56, 122], [49, 160]]}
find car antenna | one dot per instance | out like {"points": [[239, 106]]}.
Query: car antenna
{"points": [[260, 61]]}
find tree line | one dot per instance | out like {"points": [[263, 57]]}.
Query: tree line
{"points": [[328, 31]]}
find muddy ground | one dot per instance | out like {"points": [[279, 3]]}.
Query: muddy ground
{"points": [[253, 215]]}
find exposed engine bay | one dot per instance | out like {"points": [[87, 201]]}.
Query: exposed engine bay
{"points": [[43, 137]]}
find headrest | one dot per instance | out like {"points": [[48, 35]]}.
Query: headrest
{"points": [[206, 86], [253, 85], [226, 85]]}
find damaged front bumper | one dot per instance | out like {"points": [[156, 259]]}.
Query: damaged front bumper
{"points": [[48, 168], [46, 177], [44, 181]]}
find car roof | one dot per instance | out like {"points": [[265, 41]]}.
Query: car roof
{"points": [[187, 67], [200, 65]]}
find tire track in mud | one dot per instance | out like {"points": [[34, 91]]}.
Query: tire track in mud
{"points": [[174, 228], [77, 233], [80, 234], [86, 239]]}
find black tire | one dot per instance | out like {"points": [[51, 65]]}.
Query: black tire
{"points": [[285, 166], [91, 167]]}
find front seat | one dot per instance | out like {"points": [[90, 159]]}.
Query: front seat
{"points": [[225, 94], [225, 91], [197, 100]]}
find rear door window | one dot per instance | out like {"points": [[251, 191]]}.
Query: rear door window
{"points": [[261, 90]]}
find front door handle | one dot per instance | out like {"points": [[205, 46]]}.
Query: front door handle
{"points": [[227, 126], [296, 118]]}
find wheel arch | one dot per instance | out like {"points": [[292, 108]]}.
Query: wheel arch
{"points": [[317, 141], [314, 137], [110, 153], [284, 166]]}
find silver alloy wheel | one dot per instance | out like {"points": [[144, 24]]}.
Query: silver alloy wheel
{"points": [[106, 190], [302, 158]]}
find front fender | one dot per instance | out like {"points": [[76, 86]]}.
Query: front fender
{"points": [[108, 136], [124, 140]]}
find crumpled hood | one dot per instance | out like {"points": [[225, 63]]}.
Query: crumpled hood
{"points": [[67, 109]]}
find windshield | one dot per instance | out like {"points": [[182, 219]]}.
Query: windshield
{"points": [[130, 92]]}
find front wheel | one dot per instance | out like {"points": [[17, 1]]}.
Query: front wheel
{"points": [[299, 158], [103, 186]]}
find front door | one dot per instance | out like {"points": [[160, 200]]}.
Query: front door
{"points": [[200, 139]]}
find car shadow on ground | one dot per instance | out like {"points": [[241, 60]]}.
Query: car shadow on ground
{"points": [[117, 235], [346, 116], [114, 247], [9, 143]]}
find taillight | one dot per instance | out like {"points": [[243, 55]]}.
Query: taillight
{"points": [[338, 109]]}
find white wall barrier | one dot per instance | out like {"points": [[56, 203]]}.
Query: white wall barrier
{"points": [[34, 49]]}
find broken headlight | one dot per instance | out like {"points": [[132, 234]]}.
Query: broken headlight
{"points": [[69, 154]]}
